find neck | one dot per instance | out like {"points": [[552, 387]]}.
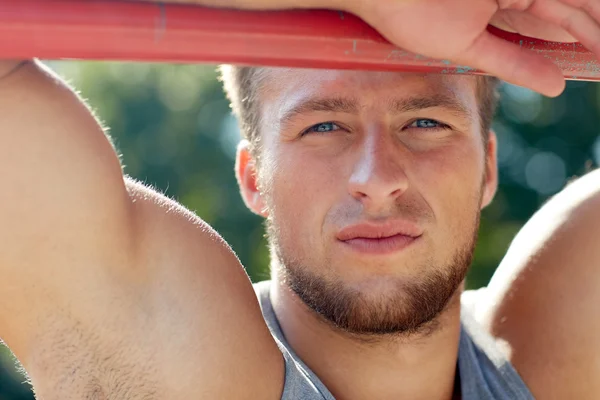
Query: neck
{"points": [[353, 368]]}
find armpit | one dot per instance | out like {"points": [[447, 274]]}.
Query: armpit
{"points": [[74, 361]]}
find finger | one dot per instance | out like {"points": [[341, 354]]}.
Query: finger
{"points": [[513, 64], [592, 7], [575, 21], [526, 24]]}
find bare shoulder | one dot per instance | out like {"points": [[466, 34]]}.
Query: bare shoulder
{"points": [[181, 322], [542, 301]]}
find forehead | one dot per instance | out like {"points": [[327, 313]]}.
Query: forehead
{"points": [[282, 88]]}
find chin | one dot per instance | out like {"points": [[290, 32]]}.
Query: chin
{"points": [[373, 303], [399, 294], [380, 272], [379, 284]]}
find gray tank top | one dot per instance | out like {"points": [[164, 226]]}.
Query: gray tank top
{"points": [[485, 374]]}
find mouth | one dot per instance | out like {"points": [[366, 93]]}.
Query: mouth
{"points": [[380, 239]]}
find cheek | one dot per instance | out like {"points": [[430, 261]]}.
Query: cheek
{"points": [[304, 187], [450, 180]]}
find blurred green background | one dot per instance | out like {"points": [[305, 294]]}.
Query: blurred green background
{"points": [[173, 127]]}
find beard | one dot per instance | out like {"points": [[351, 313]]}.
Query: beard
{"points": [[407, 307]]}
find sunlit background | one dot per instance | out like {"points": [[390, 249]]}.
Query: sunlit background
{"points": [[173, 127]]}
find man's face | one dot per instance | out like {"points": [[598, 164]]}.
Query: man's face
{"points": [[372, 184]]}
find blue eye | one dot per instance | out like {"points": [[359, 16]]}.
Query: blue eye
{"points": [[427, 124], [323, 127]]}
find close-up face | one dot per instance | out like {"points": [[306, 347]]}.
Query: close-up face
{"points": [[372, 184]]}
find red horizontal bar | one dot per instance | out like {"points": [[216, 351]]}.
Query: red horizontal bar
{"points": [[118, 30]]}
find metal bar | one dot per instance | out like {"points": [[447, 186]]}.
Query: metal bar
{"points": [[119, 30]]}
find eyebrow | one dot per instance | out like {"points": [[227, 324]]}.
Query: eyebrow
{"points": [[450, 103], [330, 104], [395, 106]]}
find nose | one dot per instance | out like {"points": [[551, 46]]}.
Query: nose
{"points": [[378, 176]]}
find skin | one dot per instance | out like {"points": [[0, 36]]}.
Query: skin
{"points": [[548, 283], [129, 295], [123, 296], [374, 167]]}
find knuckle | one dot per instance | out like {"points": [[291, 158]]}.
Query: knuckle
{"points": [[568, 23], [590, 6]]}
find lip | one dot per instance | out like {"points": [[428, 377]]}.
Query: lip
{"points": [[383, 238]]}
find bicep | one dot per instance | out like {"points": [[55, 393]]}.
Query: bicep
{"points": [[210, 327], [65, 208], [103, 288], [223, 338], [543, 298]]}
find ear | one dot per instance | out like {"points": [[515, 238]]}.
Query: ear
{"points": [[490, 185], [246, 174]]}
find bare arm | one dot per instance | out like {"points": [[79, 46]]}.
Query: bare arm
{"points": [[110, 289], [543, 299], [55, 162]]}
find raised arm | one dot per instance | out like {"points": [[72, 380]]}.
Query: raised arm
{"points": [[107, 288], [543, 299], [64, 201]]}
